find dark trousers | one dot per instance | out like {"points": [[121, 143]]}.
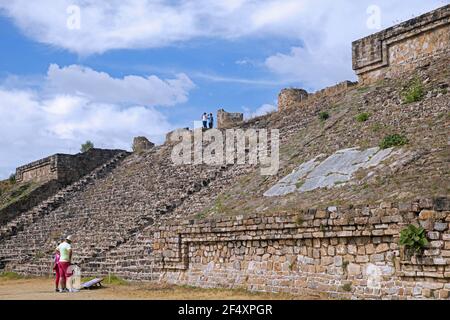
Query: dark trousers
{"points": [[205, 125]]}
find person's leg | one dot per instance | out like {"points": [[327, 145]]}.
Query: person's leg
{"points": [[57, 277], [62, 274]]}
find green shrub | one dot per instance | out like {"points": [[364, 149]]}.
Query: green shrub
{"points": [[393, 140], [299, 220], [88, 145], [415, 92], [324, 115], [413, 239], [363, 117], [347, 287], [12, 178]]}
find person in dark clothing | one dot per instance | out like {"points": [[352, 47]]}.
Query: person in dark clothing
{"points": [[211, 121]]}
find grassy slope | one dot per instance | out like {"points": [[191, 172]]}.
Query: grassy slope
{"points": [[425, 123], [12, 192]]}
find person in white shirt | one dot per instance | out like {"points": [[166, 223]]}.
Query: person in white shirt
{"points": [[205, 120], [65, 258]]}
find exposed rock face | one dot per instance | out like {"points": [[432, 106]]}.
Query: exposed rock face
{"points": [[229, 120], [333, 171], [141, 144]]}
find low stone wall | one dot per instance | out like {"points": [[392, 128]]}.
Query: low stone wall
{"points": [[345, 253], [404, 47], [299, 97], [64, 167], [229, 120]]}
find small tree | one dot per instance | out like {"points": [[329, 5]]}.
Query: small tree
{"points": [[12, 178], [88, 145]]}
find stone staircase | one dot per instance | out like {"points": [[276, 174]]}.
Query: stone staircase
{"points": [[31, 216], [108, 213]]}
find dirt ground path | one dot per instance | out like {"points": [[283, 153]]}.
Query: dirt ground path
{"points": [[42, 289]]}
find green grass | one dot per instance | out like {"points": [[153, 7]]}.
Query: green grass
{"points": [[300, 184], [15, 193], [86, 279], [414, 92], [362, 117], [363, 89], [113, 279], [8, 275], [393, 140]]}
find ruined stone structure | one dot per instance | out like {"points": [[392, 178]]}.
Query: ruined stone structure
{"points": [[321, 227], [64, 167], [141, 144], [348, 253], [393, 51], [289, 98], [173, 136], [50, 175], [228, 120]]}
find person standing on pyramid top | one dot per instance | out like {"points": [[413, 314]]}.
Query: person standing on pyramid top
{"points": [[211, 121], [205, 120]]}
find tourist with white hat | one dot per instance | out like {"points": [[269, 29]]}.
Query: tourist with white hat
{"points": [[65, 258]]}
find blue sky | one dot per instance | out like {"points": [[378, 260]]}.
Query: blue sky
{"points": [[139, 67]]}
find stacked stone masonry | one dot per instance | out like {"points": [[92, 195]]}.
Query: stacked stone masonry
{"points": [[300, 98], [229, 120], [108, 212], [129, 219], [64, 167], [52, 174], [404, 47], [346, 253]]}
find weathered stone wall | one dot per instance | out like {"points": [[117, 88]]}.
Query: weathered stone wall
{"points": [[299, 97], [64, 167], [141, 144], [346, 253], [404, 47], [229, 120]]}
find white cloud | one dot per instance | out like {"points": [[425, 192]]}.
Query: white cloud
{"points": [[314, 68], [100, 86], [327, 29], [38, 127], [116, 24], [76, 104], [323, 30], [261, 111]]}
